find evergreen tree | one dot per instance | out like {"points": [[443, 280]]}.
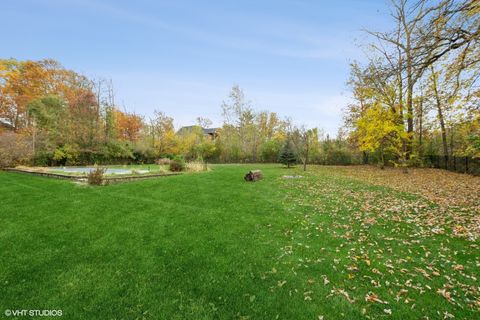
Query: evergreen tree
{"points": [[287, 155]]}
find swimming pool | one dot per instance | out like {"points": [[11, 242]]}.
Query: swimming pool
{"points": [[86, 170]]}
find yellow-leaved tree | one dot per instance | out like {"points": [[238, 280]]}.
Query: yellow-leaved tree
{"points": [[378, 130]]}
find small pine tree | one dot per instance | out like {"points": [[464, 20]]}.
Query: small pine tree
{"points": [[287, 155]]}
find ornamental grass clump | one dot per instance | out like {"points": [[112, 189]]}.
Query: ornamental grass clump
{"points": [[96, 176], [196, 166], [177, 164]]}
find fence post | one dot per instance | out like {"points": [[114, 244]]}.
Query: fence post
{"points": [[454, 163], [466, 164]]}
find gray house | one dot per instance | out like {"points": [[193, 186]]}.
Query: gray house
{"points": [[5, 125], [211, 132]]}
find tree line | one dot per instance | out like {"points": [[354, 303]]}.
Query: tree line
{"points": [[418, 93], [50, 115]]}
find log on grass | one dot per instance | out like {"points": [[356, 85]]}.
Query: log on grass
{"points": [[254, 175]]}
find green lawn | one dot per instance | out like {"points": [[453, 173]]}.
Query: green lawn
{"points": [[211, 246]]}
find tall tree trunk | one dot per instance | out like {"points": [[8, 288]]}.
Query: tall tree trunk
{"points": [[306, 160], [400, 97], [452, 152], [16, 122], [420, 126], [409, 147], [365, 157], [441, 118], [382, 158], [410, 80]]}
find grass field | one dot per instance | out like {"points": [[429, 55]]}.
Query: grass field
{"points": [[211, 246]]}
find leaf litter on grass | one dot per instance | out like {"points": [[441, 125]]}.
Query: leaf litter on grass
{"points": [[457, 195], [383, 251]]}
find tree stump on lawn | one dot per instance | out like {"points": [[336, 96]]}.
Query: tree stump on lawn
{"points": [[254, 175]]}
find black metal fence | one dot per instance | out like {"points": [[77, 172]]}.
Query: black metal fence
{"points": [[458, 164]]}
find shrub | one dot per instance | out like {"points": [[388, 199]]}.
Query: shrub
{"points": [[270, 151], [15, 149], [66, 155], [143, 153], [177, 164], [43, 159], [95, 177], [340, 157], [118, 151], [163, 161]]}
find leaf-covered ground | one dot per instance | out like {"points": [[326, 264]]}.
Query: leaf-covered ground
{"points": [[457, 195], [405, 256], [330, 245]]}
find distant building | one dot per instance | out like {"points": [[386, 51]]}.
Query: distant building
{"points": [[211, 132], [5, 125]]}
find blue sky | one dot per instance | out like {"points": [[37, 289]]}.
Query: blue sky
{"points": [[182, 57]]}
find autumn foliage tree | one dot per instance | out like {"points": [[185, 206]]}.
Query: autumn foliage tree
{"points": [[379, 129], [426, 72], [63, 118], [21, 83], [129, 126]]}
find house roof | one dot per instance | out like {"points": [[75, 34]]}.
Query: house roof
{"points": [[5, 124], [209, 130], [205, 130]]}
